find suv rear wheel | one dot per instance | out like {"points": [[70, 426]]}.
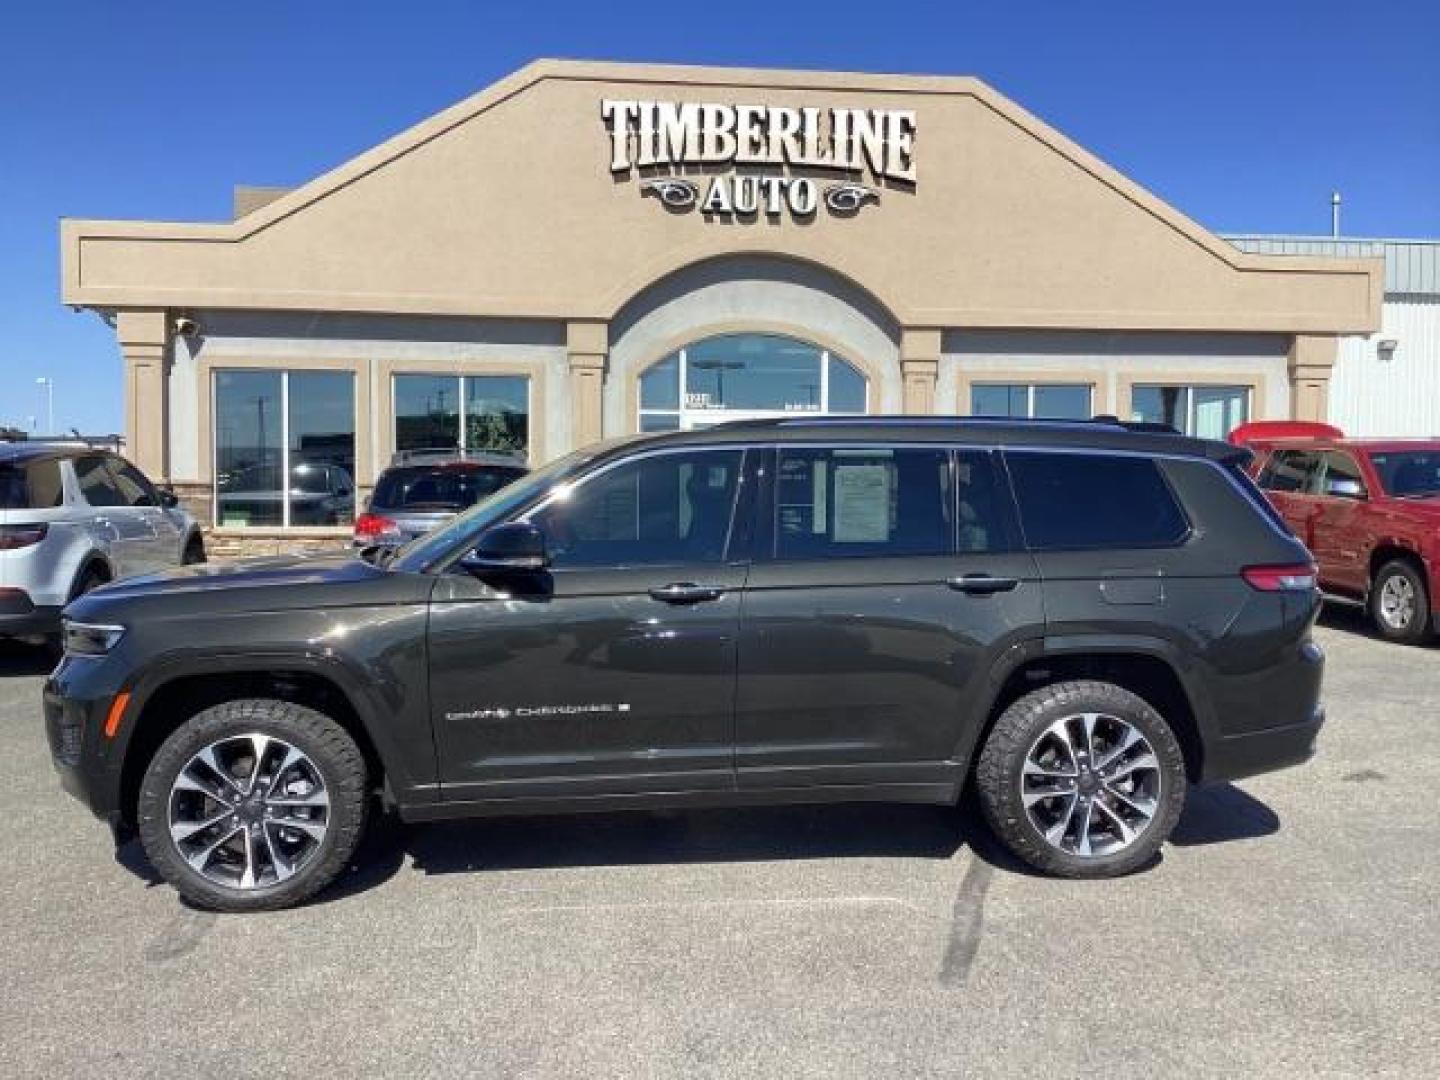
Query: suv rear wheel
{"points": [[253, 805], [1082, 779], [1400, 603]]}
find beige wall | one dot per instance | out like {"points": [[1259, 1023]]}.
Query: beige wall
{"points": [[504, 206]]}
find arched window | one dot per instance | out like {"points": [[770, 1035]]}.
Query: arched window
{"points": [[744, 376]]}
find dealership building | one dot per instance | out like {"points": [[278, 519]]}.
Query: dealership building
{"points": [[586, 250]]}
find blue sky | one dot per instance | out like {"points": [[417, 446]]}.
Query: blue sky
{"points": [[1243, 115]]}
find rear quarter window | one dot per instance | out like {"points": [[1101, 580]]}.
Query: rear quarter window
{"points": [[1083, 501], [34, 485]]}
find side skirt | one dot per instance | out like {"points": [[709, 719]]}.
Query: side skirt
{"points": [[945, 793]]}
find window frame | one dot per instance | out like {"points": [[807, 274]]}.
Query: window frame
{"points": [[735, 538], [284, 373], [462, 413], [1030, 388], [1086, 451], [1189, 388], [685, 417]]}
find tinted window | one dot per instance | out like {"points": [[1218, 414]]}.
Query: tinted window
{"points": [[96, 484], [1291, 470], [31, 486], [134, 488], [1094, 501], [445, 487], [1342, 477], [832, 503], [664, 509], [1408, 473]]}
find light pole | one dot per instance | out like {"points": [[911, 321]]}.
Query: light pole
{"points": [[49, 385]]}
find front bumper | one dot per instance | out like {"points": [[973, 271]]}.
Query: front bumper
{"points": [[75, 700]]}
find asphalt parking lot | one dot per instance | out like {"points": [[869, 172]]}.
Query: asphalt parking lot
{"points": [[1292, 928]]}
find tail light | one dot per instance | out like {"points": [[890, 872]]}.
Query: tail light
{"points": [[19, 536], [373, 527], [1295, 577]]}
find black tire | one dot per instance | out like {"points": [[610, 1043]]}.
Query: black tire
{"points": [[999, 783], [1394, 625], [329, 747], [194, 552]]}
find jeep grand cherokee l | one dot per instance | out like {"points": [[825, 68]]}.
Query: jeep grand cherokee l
{"points": [[1076, 618]]}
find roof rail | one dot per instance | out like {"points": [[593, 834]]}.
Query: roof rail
{"points": [[831, 420]]}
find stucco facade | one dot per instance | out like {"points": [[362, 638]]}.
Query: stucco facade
{"points": [[937, 240]]}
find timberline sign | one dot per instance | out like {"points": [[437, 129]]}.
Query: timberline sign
{"points": [[873, 144]]}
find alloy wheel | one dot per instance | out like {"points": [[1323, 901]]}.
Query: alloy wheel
{"points": [[1397, 602], [1091, 784], [248, 811]]}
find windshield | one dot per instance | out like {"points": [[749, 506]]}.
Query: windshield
{"points": [[1409, 474], [424, 550]]}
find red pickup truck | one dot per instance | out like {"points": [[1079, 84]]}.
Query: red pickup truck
{"points": [[1368, 510]]}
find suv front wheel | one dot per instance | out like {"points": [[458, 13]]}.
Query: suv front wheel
{"points": [[1082, 779], [253, 805]]}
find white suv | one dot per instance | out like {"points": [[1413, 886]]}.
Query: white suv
{"points": [[72, 518]]}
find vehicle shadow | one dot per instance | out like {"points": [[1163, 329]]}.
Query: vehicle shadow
{"points": [[745, 834], [18, 660], [1212, 815]]}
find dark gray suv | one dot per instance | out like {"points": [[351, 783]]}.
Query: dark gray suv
{"points": [[1079, 619]]}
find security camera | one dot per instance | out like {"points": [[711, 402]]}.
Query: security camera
{"points": [[186, 327]]}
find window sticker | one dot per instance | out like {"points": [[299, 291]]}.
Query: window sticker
{"points": [[862, 504]]}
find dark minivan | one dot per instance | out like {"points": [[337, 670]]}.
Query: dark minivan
{"points": [[1078, 618]]}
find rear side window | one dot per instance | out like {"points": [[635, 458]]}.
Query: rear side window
{"points": [[33, 485], [1070, 501], [833, 503], [1291, 470]]}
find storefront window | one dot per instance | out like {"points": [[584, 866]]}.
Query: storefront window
{"points": [[1209, 412], [462, 412], [284, 448], [735, 376], [1055, 401]]}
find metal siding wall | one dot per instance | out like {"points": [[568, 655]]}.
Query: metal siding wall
{"points": [[1402, 397]]}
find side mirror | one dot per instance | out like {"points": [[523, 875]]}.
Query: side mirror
{"points": [[168, 499], [516, 545], [1344, 488]]}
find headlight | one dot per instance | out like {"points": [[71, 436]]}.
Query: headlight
{"points": [[90, 639]]}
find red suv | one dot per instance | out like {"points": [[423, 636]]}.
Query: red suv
{"points": [[1368, 510]]}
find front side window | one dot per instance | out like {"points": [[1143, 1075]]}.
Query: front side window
{"points": [[864, 501], [1053, 401], [744, 375], [97, 485], [1408, 474], [134, 488], [284, 448], [463, 412], [664, 509], [1085, 501], [1206, 412]]}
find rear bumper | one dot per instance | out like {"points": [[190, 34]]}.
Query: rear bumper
{"points": [[20, 617], [1235, 757]]}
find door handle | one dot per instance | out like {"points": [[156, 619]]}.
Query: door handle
{"points": [[686, 592], [982, 584]]}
